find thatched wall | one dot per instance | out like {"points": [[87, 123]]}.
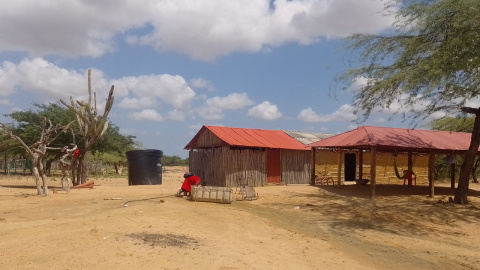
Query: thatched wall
{"points": [[296, 166], [327, 161], [385, 172]]}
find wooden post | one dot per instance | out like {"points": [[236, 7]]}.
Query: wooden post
{"points": [[360, 165], [339, 171], [312, 170], [431, 173], [452, 175], [373, 169], [410, 165]]}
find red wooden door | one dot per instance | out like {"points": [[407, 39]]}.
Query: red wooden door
{"points": [[273, 166]]}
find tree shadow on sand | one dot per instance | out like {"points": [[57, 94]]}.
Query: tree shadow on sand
{"points": [[395, 209]]}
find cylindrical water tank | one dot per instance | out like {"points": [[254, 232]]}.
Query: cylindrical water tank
{"points": [[144, 167]]}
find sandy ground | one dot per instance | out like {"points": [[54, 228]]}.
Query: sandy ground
{"points": [[288, 227]]}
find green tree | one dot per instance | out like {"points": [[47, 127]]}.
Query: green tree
{"points": [[26, 125], [430, 59], [174, 161], [458, 124]]}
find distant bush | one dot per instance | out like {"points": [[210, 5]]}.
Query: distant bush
{"points": [[174, 161]]}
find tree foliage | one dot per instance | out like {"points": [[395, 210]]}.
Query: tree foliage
{"points": [[430, 58], [428, 63], [174, 161], [457, 124], [26, 124]]}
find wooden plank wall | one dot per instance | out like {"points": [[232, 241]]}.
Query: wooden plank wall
{"points": [[208, 139], [208, 164], [248, 165], [225, 167], [296, 166]]}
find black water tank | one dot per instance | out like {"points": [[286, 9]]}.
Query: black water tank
{"points": [[144, 167]]}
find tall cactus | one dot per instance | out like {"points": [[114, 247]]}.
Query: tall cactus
{"points": [[91, 126]]}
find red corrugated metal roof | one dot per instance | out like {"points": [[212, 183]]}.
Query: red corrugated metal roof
{"points": [[245, 137], [398, 138]]}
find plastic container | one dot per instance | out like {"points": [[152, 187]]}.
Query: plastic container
{"points": [[212, 194], [144, 167]]}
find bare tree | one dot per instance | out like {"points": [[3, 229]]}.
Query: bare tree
{"points": [[92, 126], [38, 150]]}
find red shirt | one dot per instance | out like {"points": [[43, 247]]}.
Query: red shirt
{"points": [[189, 181]]}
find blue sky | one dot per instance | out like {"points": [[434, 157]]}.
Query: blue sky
{"points": [[179, 65]]}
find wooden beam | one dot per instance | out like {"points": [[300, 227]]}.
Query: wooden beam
{"points": [[431, 173], [373, 169]]}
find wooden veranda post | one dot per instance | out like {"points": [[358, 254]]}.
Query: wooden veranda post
{"points": [[431, 173], [452, 175], [312, 170], [339, 170], [373, 169], [360, 164], [410, 165]]}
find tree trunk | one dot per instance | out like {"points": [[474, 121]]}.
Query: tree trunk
{"points": [[82, 169], [84, 174], [467, 165], [474, 170]]}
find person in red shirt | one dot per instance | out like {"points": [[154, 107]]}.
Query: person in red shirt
{"points": [[190, 180]]}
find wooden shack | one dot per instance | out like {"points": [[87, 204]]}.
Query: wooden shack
{"points": [[226, 156]]}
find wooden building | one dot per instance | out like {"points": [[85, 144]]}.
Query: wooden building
{"points": [[326, 162], [369, 152], [226, 156]]}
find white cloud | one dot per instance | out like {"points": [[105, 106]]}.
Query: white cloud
{"points": [[52, 83], [176, 115], [265, 111], [171, 89], [211, 113], [344, 113], [202, 83], [5, 102], [137, 103], [233, 101], [147, 114], [68, 28], [204, 30]]}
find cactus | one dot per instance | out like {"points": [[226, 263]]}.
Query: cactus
{"points": [[90, 124]]}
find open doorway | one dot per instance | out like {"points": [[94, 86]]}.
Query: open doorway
{"points": [[350, 166]]}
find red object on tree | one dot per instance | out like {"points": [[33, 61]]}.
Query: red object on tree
{"points": [[75, 154]]}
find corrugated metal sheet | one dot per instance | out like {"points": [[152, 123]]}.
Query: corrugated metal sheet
{"points": [[398, 138], [307, 137], [244, 137]]}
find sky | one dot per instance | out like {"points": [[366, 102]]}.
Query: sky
{"points": [[177, 65]]}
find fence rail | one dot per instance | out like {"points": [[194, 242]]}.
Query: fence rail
{"points": [[23, 166]]}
